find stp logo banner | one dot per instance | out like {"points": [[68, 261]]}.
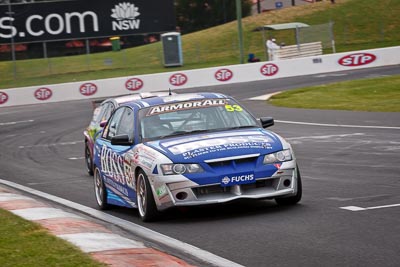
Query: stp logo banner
{"points": [[88, 89], [357, 59], [178, 79], [223, 75], [134, 84], [43, 94], [3, 98], [269, 69]]}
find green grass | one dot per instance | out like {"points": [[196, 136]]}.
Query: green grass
{"points": [[23, 243], [378, 95], [359, 24]]}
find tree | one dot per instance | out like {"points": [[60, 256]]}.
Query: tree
{"points": [[194, 15]]}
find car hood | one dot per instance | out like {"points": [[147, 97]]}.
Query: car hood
{"points": [[218, 145]]}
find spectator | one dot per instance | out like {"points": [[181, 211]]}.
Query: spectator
{"points": [[272, 49], [252, 58]]}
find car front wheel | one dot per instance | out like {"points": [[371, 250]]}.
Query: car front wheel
{"points": [[145, 199], [100, 190]]}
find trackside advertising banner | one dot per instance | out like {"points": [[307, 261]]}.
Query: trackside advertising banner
{"points": [[199, 78], [75, 19]]}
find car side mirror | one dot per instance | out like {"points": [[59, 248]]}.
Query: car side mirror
{"points": [[121, 140], [266, 122], [103, 123]]}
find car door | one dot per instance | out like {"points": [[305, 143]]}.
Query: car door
{"points": [[115, 169], [101, 113]]}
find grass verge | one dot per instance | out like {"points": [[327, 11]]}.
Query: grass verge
{"points": [[377, 95], [24, 243]]}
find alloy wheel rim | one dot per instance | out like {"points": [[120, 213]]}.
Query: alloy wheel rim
{"points": [[87, 156], [141, 195], [99, 189]]}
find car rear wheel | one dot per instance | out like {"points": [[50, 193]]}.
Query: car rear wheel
{"points": [[294, 199], [88, 160], [145, 199], [100, 190]]}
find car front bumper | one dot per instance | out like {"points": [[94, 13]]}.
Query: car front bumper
{"points": [[186, 193]]}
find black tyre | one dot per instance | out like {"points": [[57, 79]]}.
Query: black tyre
{"points": [[88, 160], [293, 199], [145, 200], [100, 190]]}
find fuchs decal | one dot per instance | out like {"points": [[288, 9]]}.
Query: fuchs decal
{"points": [[238, 179]]}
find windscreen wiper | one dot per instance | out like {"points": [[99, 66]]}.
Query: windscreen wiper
{"points": [[242, 127], [177, 133]]}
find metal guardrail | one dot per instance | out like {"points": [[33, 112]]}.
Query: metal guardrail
{"points": [[302, 50]]}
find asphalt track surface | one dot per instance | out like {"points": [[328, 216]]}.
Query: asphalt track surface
{"points": [[349, 161]]}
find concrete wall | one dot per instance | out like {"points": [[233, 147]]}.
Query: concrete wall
{"points": [[200, 77]]}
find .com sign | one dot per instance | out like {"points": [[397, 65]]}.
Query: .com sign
{"points": [[53, 24]]}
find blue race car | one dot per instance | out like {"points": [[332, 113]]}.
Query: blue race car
{"points": [[190, 149]]}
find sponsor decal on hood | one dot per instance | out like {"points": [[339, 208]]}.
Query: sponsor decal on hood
{"points": [[218, 145]]}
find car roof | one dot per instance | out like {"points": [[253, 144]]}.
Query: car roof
{"points": [[123, 99], [160, 100], [128, 98], [119, 100]]}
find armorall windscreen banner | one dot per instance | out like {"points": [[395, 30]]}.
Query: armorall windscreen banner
{"points": [[74, 19]]}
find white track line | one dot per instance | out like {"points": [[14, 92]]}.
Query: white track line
{"points": [[355, 208], [324, 136], [264, 97], [15, 122], [339, 125], [54, 144]]}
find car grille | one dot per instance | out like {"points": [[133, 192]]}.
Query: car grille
{"points": [[244, 163], [217, 191]]}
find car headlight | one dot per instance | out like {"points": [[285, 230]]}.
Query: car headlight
{"points": [[172, 169], [280, 156]]}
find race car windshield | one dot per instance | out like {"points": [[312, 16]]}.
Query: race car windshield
{"points": [[189, 117]]}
